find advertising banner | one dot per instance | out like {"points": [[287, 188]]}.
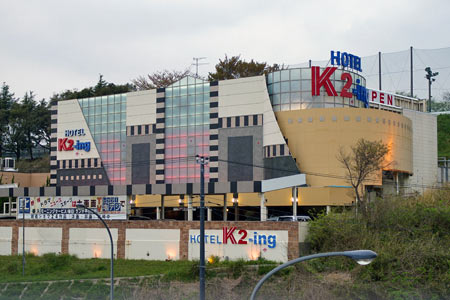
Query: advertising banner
{"points": [[65, 208]]}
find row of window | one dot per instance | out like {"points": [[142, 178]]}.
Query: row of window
{"points": [[357, 119], [103, 100], [81, 177]]}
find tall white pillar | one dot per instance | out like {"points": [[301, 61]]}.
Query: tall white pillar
{"points": [[263, 207], [209, 214], [328, 209], [190, 214], [158, 213]]}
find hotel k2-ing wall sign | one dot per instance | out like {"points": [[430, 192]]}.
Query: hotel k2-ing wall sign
{"points": [[64, 208], [345, 60]]}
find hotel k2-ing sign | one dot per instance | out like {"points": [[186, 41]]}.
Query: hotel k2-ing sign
{"points": [[67, 143], [240, 243], [64, 208], [350, 61]]}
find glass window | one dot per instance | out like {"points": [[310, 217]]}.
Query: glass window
{"points": [[92, 110], [285, 86], [176, 91], [191, 89], [117, 127], [183, 110], [276, 76], [276, 88], [270, 89], [276, 99], [295, 86], [183, 90], [284, 98], [110, 99], [295, 97], [183, 100], [284, 75], [110, 109], [168, 92], [306, 74], [176, 101], [295, 74], [104, 109], [191, 110], [183, 121], [306, 85], [191, 100]]}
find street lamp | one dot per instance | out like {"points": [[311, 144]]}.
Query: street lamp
{"points": [[202, 160], [362, 257], [430, 78], [82, 206]]}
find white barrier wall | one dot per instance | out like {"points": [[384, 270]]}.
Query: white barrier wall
{"points": [[153, 244], [5, 240], [41, 240], [92, 242], [241, 244]]}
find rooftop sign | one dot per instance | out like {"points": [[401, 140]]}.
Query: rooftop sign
{"points": [[346, 60]]}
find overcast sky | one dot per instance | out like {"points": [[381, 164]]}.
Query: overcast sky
{"points": [[48, 46]]}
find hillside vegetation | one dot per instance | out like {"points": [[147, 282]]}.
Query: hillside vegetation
{"points": [[411, 237], [443, 128]]}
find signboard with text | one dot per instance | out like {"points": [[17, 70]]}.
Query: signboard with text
{"points": [[64, 208]]}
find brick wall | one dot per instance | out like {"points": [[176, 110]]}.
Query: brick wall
{"points": [[183, 226]]}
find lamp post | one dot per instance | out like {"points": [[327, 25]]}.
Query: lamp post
{"points": [[429, 76], [82, 206], [202, 160], [362, 257]]}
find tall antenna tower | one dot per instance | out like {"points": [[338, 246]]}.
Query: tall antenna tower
{"points": [[196, 64]]}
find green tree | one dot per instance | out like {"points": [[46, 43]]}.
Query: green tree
{"points": [[365, 159], [158, 79], [15, 139], [6, 101], [443, 105], [235, 67]]}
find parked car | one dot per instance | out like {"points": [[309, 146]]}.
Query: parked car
{"points": [[290, 218]]}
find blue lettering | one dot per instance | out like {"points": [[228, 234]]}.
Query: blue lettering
{"points": [[191, 239], [357, 63], [262, 239], [206, 239], [336, 59], [212, 239], [272, 241], [218, 240], [344, 59], [198, 238]]}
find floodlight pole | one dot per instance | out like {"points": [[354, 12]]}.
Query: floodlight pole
{"points": [[363, 257], [82, 206], [430, 74], [202, 160]]}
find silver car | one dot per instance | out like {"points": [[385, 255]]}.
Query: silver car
{"points": [[290, 218]]}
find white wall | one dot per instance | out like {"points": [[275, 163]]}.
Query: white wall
{"points": [[249, 96], [92, 242], [249, 251], [5, 240], [153, 244], [70, 116], [41, 240], [141, 108], [424, 149]]}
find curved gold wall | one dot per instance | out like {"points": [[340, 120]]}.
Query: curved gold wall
{"points": [[315, 135]]}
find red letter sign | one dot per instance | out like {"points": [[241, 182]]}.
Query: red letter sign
{"points": [[318, 80], [228, 234]]}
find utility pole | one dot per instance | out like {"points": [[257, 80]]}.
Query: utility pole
{"points": [[202, 160], [196, 64], [429, 76]]}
